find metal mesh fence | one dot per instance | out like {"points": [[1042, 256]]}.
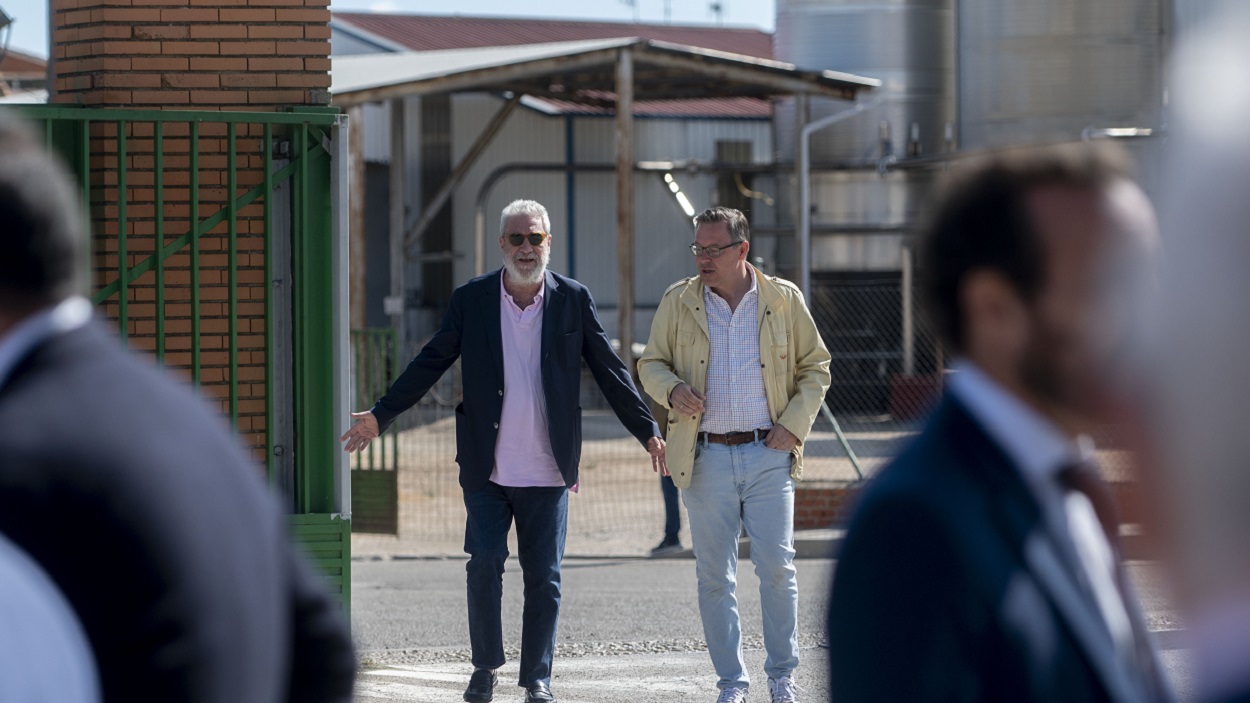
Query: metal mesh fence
{"points": [[886, 374], [885, 370]]}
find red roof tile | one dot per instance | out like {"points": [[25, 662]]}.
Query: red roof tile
{"points": [[433, 32], [16, 63]]}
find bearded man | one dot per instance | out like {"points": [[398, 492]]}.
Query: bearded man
{"points": [[522, 332]]}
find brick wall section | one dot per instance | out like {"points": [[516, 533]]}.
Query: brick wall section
{"points": [[191, 54], [235, 55], [822, 504], [141, 241]]}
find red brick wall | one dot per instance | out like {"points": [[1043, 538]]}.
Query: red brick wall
{"points": [[191, 54], [818, 505]]}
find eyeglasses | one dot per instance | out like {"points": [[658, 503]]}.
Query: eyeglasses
{"points": [[712, 251], [516, 239]]}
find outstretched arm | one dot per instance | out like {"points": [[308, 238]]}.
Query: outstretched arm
{"points": [[423, 371]]}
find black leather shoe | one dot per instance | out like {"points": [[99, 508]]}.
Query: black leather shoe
{"points": [[481, 686], [539, 693]]}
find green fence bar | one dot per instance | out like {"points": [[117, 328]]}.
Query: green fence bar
{"points": [[299, 218], [158, 243], [271, 419], [232, 271], [375, 360], [123, 291], [194, 154]]}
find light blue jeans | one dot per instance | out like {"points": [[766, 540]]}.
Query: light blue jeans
{"points": [[749, 486]]}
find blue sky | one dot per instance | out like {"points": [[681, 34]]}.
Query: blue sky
{"points": [[30, 26]]}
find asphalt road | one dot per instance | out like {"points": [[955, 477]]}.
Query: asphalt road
{"points": [[629, 631]]}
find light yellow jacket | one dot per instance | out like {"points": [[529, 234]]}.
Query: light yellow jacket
{"points": [[795, 361]]}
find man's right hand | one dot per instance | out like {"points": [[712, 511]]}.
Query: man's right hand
{"points": [[686, 400], [362, 432]]}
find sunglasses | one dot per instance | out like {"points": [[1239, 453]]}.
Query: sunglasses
{"points": [[535, 238]]}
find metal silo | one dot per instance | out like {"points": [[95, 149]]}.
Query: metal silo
{"points": [[861, 203], [1050, 70], [905, 43]]}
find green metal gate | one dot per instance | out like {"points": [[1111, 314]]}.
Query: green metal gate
{"points": [[219, 247], [375, 471]]}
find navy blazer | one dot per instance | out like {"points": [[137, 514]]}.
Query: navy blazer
{"points": [[953, 585], [471, 331]]}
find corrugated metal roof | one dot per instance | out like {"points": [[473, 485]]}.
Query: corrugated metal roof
{"points": [[671, 79], [432, 32], [353, 73]]}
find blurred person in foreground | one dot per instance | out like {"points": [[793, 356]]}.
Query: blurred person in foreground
{"points": [[135, 497], [44, 654], [982, 564], [522, 332], [735, 357], [1200, 371]]}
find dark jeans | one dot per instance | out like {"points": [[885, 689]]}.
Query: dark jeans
{"points": [[541, 518], [672, 508]]}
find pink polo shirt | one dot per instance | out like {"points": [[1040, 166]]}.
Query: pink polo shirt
{"points": [[523, 451]]}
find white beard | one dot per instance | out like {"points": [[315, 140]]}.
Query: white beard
{"points": [[515, 275]]}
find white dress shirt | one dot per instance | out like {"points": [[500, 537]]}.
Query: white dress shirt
{"points": [[736, 398]]}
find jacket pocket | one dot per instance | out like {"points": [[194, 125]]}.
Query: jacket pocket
{"points": [[569, 350]]}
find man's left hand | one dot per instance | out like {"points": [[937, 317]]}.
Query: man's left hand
{"points": [[781, 439], [655, 447]]}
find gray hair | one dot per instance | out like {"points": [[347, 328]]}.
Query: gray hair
{"points": [[738, 227], [524, 207]]}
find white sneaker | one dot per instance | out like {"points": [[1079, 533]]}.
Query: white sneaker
{"points": [[784, 690], [734, 694]]}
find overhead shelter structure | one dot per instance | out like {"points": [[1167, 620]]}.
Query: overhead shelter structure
{"points": [[608, 73]]}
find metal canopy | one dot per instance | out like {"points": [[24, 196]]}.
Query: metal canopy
{"points": [[607, 72], [582, 72]]}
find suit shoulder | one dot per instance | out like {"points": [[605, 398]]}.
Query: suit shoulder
{"points": [[477, 282], [571, 283]]}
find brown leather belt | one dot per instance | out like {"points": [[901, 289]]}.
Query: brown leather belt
{"points": [[733, 439]]}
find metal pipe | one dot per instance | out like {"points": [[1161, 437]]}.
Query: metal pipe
{"points": [[801, 208], [805, 186], [396, 189], [625, 205], [909, 323]]}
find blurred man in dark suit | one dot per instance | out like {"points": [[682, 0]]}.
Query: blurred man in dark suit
{"points": [[133, 496], [982, 564]]}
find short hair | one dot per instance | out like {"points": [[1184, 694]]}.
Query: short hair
{"points": [[43, 232], [739, 229], [524, 207], [979, 219]]}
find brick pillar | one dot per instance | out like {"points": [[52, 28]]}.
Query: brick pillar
{"points": [[191, 54], [236, 55]]}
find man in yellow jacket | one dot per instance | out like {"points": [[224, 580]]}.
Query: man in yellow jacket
{"points": [[735, 357]]}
